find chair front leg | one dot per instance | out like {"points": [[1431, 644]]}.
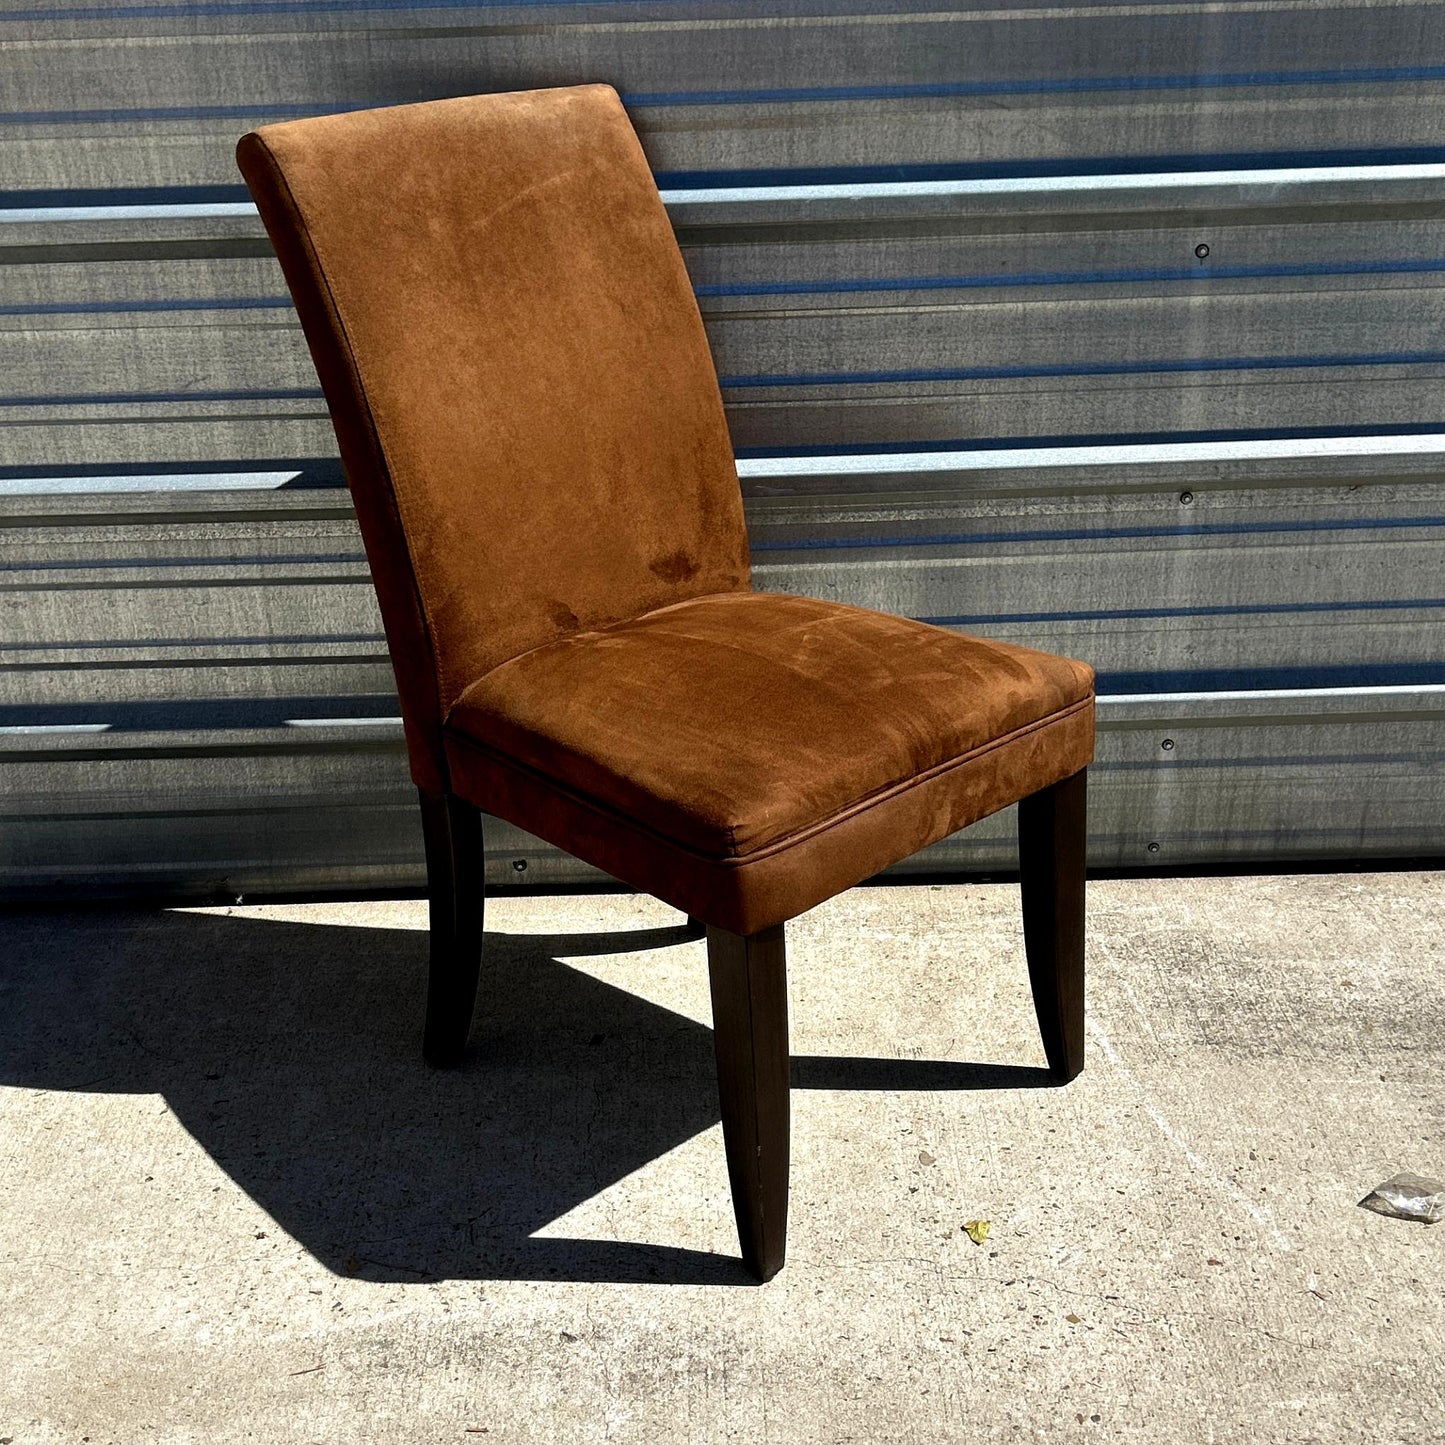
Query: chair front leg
{"points": [[452, 833], [1052, 837], [749, 982]]}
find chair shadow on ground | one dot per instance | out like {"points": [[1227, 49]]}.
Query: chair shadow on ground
{"points": [[291, 1052]]}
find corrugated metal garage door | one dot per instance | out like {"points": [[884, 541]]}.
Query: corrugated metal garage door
{"points": [[1110, 328]]}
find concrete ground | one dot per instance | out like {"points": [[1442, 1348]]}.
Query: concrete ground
{"points": [[235, 1205]]}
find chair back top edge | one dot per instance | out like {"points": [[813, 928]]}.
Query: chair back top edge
{"points": [[516, 369]]}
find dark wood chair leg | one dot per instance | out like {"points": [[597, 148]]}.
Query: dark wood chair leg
{"points": [[750, 1030], [1051, 875], [452, 831]]}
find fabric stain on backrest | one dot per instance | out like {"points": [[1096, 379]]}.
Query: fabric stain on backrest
{"points": [[517, 370]]}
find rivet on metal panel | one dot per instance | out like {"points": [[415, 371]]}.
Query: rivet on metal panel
{"points": [[1186, 499], [519, 865], [1201, 250], [1153, 847], [1167, 745]]}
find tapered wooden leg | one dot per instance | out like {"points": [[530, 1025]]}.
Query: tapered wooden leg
{"points": [[452, 831], [1051, 873], [750, 1029]]}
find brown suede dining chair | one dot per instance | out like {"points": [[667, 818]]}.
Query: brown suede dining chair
{"points": [[533, 435]]}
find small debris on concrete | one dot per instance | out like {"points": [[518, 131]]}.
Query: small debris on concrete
{"points": [[977, 1229], [925, 1159], [1408, 1196]]}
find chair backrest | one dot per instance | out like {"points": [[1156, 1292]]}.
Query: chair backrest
{"points": [[521, 387]]}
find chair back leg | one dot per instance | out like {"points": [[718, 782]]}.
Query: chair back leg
{"points": [[748, 975], [1051, 874], [452, 834]]}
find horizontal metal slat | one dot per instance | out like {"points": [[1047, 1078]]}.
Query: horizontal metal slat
{"points": [[1331, 775]]}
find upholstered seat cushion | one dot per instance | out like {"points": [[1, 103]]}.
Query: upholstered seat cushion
{"points": [[737, 726]]}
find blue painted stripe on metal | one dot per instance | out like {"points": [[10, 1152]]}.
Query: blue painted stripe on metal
{"points": [[991, 280], [327, 472], [110, 115], [298, 7], [196, 714], [172, 714], [145, 644], [333, 722], [1428, 757], [1256, 679], [1278, 694], [48, 729], [90, 485], [1105, 534], [1028, 166], [1266, 182], [1162, 449], [170, 211], [1073, 449], [121, 308], [1101, 614], [260, 559], [1126, 614], [1372, 158], [249, 714], [86, 196], [126, 564], [1053, 85], [840, 286], [1180, 366], [142, 398], [302, 472], [1258, 449], [777, 95], [1163, 366], [1070, 441]]}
